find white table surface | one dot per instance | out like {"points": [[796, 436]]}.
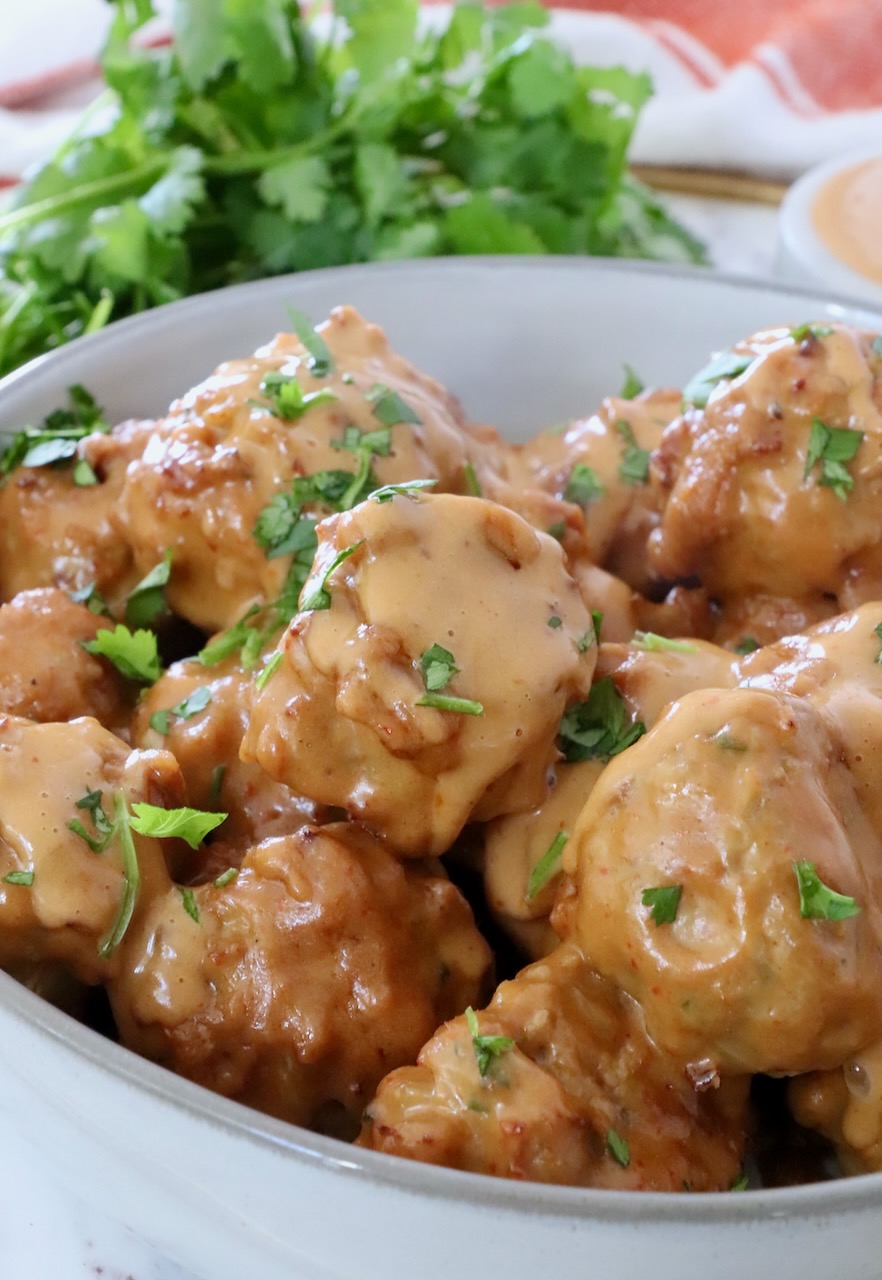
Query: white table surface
{"points": [[47, 1234]]}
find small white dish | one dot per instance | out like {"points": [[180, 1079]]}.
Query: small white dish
{"points": [[826, 197], [228, 1193]]}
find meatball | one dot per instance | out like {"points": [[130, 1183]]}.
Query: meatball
{"points": [[61, 901], [774, 485], [690, 861], [297, 985], [58, 533], [232, 447], [200, 714], [559, 1083], [423, 683], [45, 672], [845, 1105]]}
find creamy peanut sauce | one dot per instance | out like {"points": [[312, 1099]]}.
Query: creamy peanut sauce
{"points": [[847, 212], [673, 811]]}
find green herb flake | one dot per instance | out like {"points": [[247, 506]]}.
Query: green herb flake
{"points": [[135, 654], [487, 1048], [188, 900], [121, 829], [472, 483], [320, 362], [723, 367], [389, 407], [832, 447], [584, 485], [408, 489], [618, 1148], [599, 727], [226, 877], [191, 825], [92, 598], [876, 345], [268, 671], [57, 439], [877, 632], [632, 385], [649, 642], [188, 707], [320, 597], [555, 622], [376, 443], [83, 474], [92, 804], [740, 1183], [286, 398], [446, 702], [19, 877], [557, 530], [634, 467], [747, 644], [146, 601], [819, 902], [438, 667], [800, 332], [548, 865], [663, 901], [218, 774]]}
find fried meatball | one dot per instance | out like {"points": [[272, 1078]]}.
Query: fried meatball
{"points": [[45, 672], [227, 450], [689, 896], [200, 714], [60, 901], [763, 497], [297, 985], [56, 533], [845, 1105], [348, 717], [574, 1092]]}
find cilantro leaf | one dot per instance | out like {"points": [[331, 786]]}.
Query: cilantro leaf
{"points": [[146, 601], [390, 408], [817, 901], [664, 901], [191, 825], [599, 727], [320, 597], [747, 644], [652, 643], [186, 709], [134, 653], [832, 447], [634, 467], [438, 666], [487, 1048], [287, 399], [632, 385], [800, 332], [723, 367], [320, 362], [189, 903], [618, 1148], [584, 485]]}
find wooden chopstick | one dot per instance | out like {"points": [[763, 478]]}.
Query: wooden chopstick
{"points": [[715, 184]]}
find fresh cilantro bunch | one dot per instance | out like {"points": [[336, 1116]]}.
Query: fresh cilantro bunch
{"points": [[255, 145]]}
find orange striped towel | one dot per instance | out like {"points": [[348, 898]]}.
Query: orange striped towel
{"points": [[768, 86]]}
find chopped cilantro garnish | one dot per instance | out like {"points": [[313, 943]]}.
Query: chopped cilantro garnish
{"points": [[188, 707], [747, 644], [446, 702], [664, 901], [548, 865], [146, 601], [269, 671], [320, 362], [877, 632], [286, 398], [634, 467], [390, 408], [131, 877], [876, 344], [632, 386], [226, 877], [320, 597], [555, 622], [599, 727], [438, 666], [19, 877], [584, 485], [800, 332], [819, 902], [191, 825], [592, 635], [557, 530], [92, 598], [134, 653], [726, 365], [56, 440], [832, 447], [408, 489], [188, 899], [91, 803], [217, 781], [83, 474], [487, 1048], [740, 1183], [618, 1148], [473, 484], [652, 643]]}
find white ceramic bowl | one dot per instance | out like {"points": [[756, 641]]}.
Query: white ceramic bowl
{"points": [[802, 254], [231, 1194]]}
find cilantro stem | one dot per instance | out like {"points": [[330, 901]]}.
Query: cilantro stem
{"points": [[102, 190], [131, 874]]}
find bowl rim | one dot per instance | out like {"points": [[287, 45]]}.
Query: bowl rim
{"points": [[843, 1196]]}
